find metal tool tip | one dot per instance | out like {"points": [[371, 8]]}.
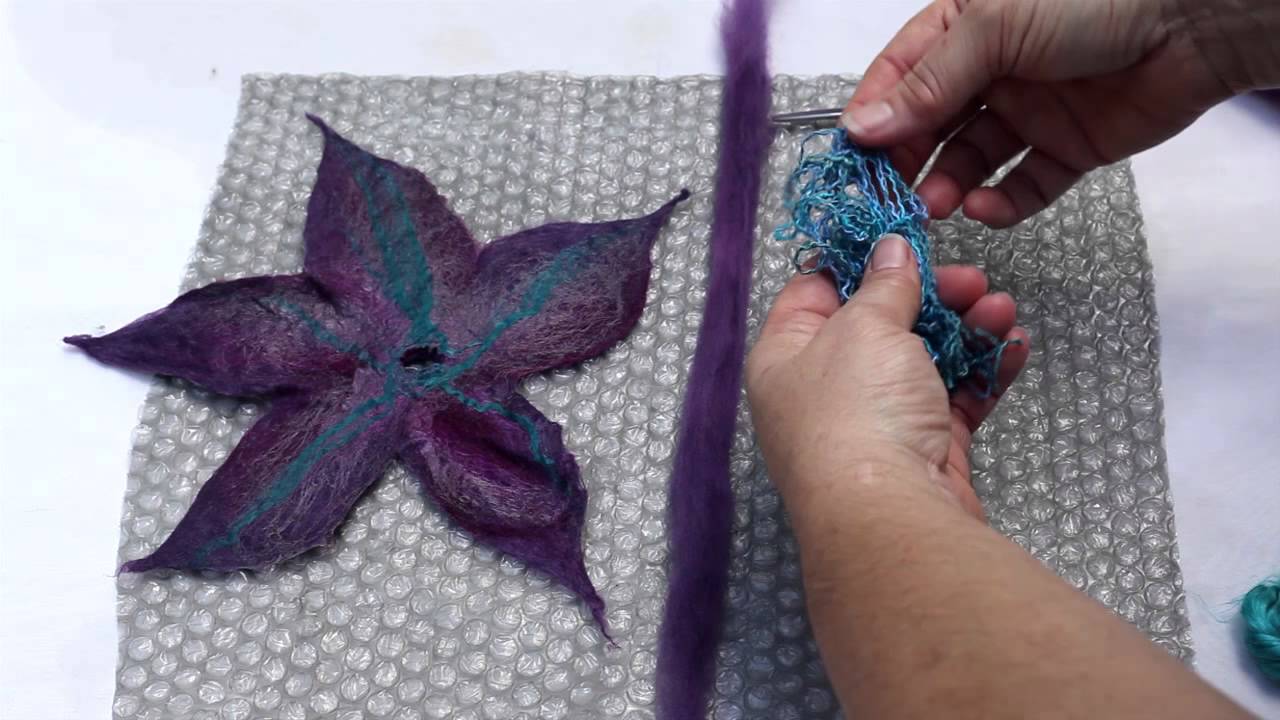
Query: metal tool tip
{"points": [[820, 116]]}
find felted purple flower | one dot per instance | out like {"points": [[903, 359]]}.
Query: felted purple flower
{"points": [[401, 338]]}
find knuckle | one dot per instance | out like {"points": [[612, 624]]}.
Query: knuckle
{"points": [[802, 326], [987, 25], [951, 10], [922, 87], [900, 280], [867, 323], [986, 13]]}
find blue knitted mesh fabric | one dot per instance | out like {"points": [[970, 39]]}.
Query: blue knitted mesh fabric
{"points": [[842, 199]]}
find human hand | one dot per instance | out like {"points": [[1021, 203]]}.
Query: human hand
{"points": [[917, 611], [1081, 83], [837, 390]]}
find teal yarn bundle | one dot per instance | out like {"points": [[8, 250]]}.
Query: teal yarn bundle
{"points": [[1261, 611], [842, 198]]}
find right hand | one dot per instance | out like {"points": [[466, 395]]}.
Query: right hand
{"points": [[1082, 83]]}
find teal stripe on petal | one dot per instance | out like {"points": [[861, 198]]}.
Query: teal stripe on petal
{"points": [[525, 423], [334, 438]]}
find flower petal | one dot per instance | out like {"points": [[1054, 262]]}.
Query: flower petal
{"points": [[290, 482], [241, 337], [499, 469], [559, 294], [380, 235]]}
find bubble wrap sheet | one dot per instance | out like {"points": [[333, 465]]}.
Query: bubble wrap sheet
{"points": [[404, 617]]}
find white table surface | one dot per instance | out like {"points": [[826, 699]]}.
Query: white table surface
{"points": [[113, 120]]}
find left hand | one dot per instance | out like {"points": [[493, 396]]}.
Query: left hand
{"points": [[835, 390]]}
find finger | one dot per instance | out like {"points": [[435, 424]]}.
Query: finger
{"points": [[969, 405], [994, 314], [1036, 181], [886, 71], [1012, 361], [910, 157], [808, 296], [799, 312], [903, 51], [1050, 118], [970, 157], [930, 92], [890, 290], [960, 286]]}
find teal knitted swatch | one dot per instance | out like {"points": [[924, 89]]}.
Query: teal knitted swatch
{"points": [[842, 198]]}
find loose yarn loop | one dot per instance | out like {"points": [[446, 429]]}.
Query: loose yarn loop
{"points": [[842, 199], [1261, 611]]}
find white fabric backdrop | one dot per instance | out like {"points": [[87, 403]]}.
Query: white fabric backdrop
{"points": [[113, 118]]}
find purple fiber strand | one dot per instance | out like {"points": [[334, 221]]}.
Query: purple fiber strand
{"points": [[701, 500]]}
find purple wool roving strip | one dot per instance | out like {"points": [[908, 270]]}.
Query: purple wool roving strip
{"points": [[701, 500], [402, 338]]}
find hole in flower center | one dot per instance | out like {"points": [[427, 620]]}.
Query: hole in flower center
{"points": [[421, 357]]}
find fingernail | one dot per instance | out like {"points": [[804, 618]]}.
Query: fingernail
{"points": [[863, 119], [892, 251]]}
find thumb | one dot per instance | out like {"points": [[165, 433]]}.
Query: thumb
{"points": [[891, 288], [931, 93], [801, 309]]}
